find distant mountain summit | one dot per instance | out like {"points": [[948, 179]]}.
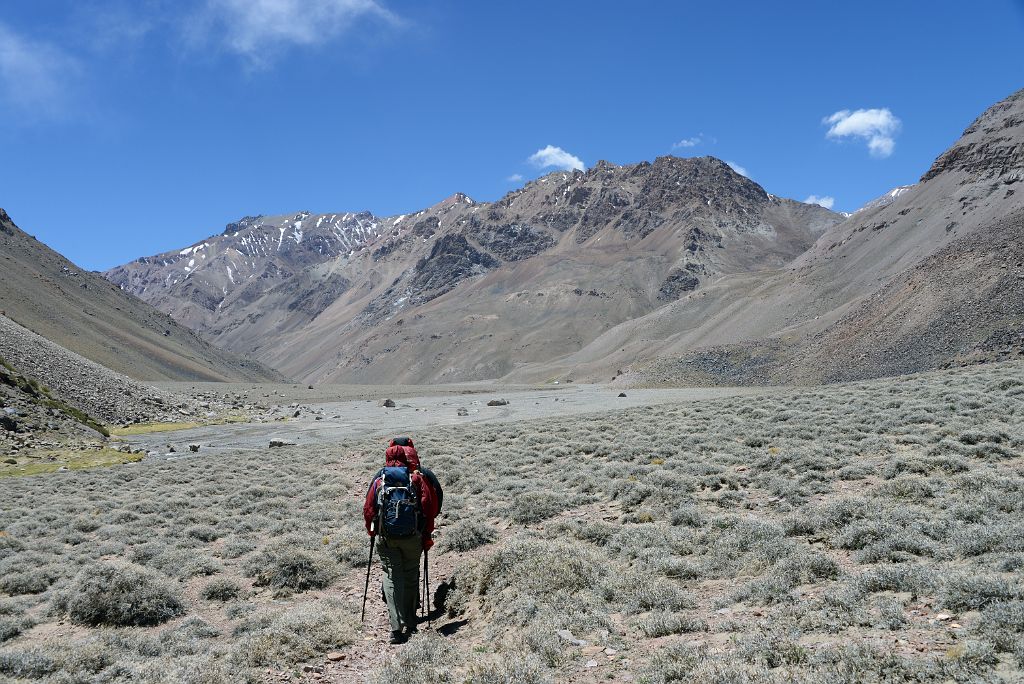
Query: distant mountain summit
{"points": [[556, 262]]}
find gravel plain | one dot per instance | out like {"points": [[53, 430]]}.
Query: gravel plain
{"points": [[335, 412]]}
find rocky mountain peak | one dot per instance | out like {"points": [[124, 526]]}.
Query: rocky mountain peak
{"points": [[991, 147]]}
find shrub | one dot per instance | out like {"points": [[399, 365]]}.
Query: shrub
{"points": [[189, 638], [508, 670], [970, 592], [206, 533], [1002, 623], [663, 623], [534, 507], [426, 659], [236, 547], [283, 565], [637, 592], [221, 589], [897, 578], [892, 614], [690, 516], [466, 535], [30, 572], [350, 547], [284, 638], [184, 564], [13, 625], [31, 663], [539, 568], [120, 595], [33, 581]]}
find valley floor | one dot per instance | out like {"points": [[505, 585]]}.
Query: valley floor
{"points": [[869, 532], [337, 412]]}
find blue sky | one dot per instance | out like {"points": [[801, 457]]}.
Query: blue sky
{"points": [[132, 127]]}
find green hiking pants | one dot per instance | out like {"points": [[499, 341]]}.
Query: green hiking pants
{"points": [[400, 559]]}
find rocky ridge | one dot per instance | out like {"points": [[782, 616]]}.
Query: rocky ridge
{"points": [[563, 236]]}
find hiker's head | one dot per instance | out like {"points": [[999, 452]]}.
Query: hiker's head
{"points": [[401, 452]]}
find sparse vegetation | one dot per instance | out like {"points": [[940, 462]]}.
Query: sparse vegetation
{"points": [[865, 532], [50, 461], [119, 595]]}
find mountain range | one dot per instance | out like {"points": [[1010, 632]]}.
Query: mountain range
{"points": [[465, 290], [664, 272]]}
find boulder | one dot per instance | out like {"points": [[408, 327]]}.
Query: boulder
{"points": [[388, 403], [498, 402]]}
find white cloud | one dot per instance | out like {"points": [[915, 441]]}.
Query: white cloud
{"points": [[823, 201], [738, 169], [256, 28], [877, 126], [515, 178], [556, 157], [34, 76], [688, 142]]}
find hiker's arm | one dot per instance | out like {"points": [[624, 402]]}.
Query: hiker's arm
{"points": [[370, 508], [428, 505]]}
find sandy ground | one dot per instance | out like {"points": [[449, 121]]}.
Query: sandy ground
{"points": [[339, 420]]}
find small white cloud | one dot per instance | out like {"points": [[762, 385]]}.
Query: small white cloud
{"points": [[877, 126], [515, 178], [556, 157], [258, 28], [688, 142], [738, 169], [35, 77], [699, 139], [823, 201]]}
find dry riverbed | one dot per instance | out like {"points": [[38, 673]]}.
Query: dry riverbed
{"points": [[297, 415]]}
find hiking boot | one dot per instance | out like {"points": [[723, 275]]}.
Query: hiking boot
{"points": [[397, 638], [410, 630]]}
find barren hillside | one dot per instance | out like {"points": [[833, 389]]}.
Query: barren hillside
{"points": [[930, 277], [82, 312]]}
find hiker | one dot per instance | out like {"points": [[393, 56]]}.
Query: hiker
{"points": [[401, 503]]}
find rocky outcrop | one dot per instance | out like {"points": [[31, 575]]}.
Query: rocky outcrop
{"points": [[991, 147], [679, 282], [451, 261], [315, 297], [511, 241]]}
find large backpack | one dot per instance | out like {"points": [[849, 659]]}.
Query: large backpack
{"points": [[426, 472], [435, 485], [398, 503]]}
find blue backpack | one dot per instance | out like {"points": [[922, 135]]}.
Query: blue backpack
{"points": [[398, 503]]}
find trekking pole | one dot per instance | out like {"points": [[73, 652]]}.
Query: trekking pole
{"points": [[369, 561], [426, 581]]}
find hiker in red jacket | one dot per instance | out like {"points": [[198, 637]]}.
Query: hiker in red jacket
{"points": [[401, 503]]}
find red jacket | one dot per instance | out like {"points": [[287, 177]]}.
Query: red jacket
{"points": [[405, 456]]}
